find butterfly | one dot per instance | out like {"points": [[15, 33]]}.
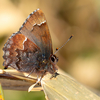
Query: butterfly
{"points": [[30, 49]]}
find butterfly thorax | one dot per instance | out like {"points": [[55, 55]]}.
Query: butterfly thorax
{"points": [[47, 64]]}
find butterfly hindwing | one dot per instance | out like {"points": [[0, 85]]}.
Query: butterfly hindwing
{"points": [[19, 53]]}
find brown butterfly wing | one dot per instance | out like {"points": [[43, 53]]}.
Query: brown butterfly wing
{"points": [[26, 49], [20, 53], [36, 29]]}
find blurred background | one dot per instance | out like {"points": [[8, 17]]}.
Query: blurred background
{"points": [[80, 58]]}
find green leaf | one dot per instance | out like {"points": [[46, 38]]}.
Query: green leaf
{"points": [[1, 93], [63, 87]]}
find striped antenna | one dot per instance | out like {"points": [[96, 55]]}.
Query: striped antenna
{"points": [[57, 49]]}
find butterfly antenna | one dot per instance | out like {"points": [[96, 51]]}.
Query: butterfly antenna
{"points": [[57, 49]]}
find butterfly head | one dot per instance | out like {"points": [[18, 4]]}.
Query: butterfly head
{"points": [[51, 65]]}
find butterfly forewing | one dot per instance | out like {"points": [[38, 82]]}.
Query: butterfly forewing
{"points": [[36, 29]]}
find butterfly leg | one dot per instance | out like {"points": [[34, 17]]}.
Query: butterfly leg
{"points": [[32, 86], [30, 72], [54, 75], [5, 67], [39, 80]]}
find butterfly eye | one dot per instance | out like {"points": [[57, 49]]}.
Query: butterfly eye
{"points": [[54, 59]]}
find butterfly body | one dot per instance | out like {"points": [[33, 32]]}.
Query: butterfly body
{"points": [[30, 49]]}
